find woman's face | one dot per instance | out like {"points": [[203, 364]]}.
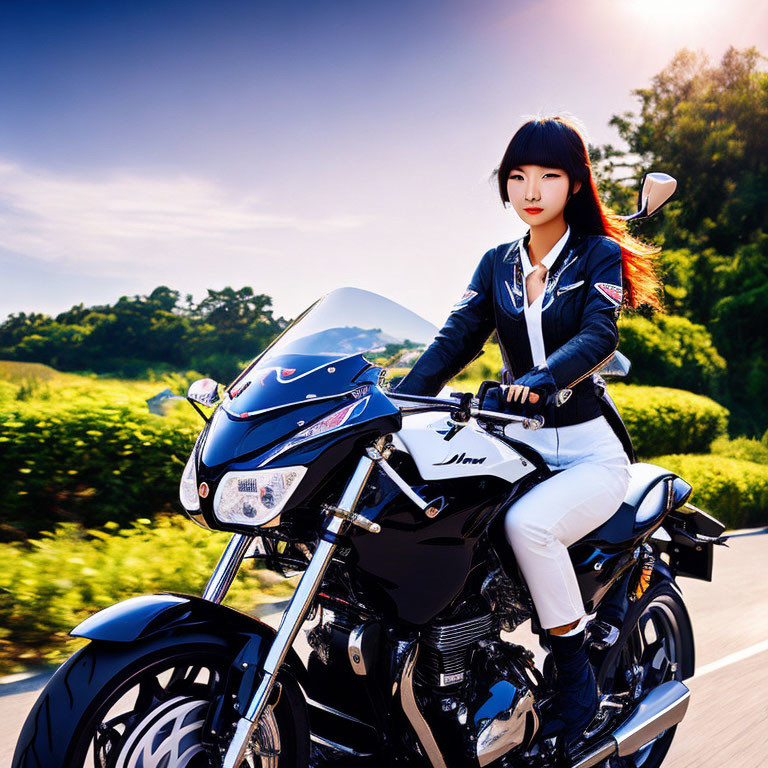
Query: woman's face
{"points": [[539, 194]]}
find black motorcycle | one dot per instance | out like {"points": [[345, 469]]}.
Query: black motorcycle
{"points": [[390, 507]]}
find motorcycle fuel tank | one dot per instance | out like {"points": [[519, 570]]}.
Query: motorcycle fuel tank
{"points": [[443, 450]]}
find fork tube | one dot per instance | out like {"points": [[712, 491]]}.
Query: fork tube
{"points": [[226, 569], [294, 615]]}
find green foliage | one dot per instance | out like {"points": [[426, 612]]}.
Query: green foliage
{"points": [[659, 419], [744, 448], [704, 123], [87, 450], [672, 351], [734, 491], [139, 334], [486, 367], [663, 420], [49, 585]]}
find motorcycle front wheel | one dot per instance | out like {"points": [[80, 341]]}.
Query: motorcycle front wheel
{"points": [[655, 645], [139, 705]]}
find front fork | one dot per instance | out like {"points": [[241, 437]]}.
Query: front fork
{"points": [[297, 609]]}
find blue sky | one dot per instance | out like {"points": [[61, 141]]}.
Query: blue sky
{"points": [[295, 146]]}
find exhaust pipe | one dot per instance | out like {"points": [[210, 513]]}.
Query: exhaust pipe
{"points": [[663, 707]]}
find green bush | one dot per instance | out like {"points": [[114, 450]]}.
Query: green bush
{"points": [[87, 450], [49, 585], [734, 491], [745, 448], [672, 351], [486, 367], [662, 420]]}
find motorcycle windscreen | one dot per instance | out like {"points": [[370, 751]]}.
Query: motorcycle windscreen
{"points": [[318, 355]]}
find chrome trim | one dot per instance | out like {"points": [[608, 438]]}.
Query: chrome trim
{"points": [[359, 650], [209, 397], [161, 735], [294, 615], [336, 712], [506, 730], [338, 747], [226, 569], [374, 454], [267, 738], [663, 707], [533, 422], [413, 713], [597, 755]]}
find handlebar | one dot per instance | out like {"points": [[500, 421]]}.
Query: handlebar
{"points": [[423, 403]]}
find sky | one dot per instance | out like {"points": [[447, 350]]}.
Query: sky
{"points": [[298, 146]]}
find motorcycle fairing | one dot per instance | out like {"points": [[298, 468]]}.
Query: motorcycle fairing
{"points": [[416, 565], [470, 452]]}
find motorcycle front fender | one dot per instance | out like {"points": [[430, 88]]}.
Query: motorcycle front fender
{"points": [[139, 618]]}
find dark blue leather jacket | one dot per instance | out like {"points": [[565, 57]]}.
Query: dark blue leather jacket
{"points": [[581, 304]]}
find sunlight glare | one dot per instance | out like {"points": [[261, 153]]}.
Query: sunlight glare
{"points": [[677, 11]]}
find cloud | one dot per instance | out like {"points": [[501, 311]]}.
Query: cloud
{"points": [[129, 220]]}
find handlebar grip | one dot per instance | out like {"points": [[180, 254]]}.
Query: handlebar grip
{"points": [[484, 387]]}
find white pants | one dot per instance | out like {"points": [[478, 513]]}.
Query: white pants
{"points": [[559, 511]]}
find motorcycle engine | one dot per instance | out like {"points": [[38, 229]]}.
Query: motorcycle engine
{"points": [[478, 692]]}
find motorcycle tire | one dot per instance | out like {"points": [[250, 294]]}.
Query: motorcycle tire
{"points": [[126, 706], [657, 637]]}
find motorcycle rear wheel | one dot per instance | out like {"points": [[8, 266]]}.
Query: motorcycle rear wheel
{"points": [[129, 706], [655, 645]]}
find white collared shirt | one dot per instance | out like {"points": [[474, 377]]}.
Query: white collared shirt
{"points": [[533, 313]]}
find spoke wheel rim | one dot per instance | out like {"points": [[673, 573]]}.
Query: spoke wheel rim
{"points": [[654, 647], [155, 719]]}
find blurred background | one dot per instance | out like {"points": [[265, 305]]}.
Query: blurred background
{"points": [[178, 180]]}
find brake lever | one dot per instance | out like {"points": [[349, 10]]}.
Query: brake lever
{"points": [[528, 422]]}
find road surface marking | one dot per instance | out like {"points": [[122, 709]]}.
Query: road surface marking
{"points": [[733, 658]]}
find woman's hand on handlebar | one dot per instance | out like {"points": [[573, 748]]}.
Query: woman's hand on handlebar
{"points": [[518, 393], [501, 398]]}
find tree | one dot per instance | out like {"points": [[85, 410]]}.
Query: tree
{"points": [[705, 123]]}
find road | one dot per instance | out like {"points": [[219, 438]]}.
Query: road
{"points": [[727, 721]]}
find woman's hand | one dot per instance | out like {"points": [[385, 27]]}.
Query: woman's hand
{"points": [[519, 393]]}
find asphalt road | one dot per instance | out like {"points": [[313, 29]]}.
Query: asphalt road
{"points": [[727, 721]]}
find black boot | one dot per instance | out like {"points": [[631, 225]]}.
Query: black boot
{"points": [[576, 698]]}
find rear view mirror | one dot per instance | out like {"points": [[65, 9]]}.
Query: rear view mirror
{"points": [[204, 391], [655, 191], [617, 367]]}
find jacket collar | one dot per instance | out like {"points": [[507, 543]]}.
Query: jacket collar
{"points": [[549, 260]]}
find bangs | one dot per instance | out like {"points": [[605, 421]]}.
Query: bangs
{"points": [[549, 143]]}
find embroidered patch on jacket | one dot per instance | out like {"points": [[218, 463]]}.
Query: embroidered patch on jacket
{"points": [[610, 291], [465, 299]]}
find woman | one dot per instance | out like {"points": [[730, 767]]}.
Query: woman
{"points": [[554, 298]]}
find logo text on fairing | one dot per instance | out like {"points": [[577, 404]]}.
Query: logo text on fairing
{"points": [[461, 458]]}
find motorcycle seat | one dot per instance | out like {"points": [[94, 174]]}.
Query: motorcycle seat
{"points": [[647, 497]]}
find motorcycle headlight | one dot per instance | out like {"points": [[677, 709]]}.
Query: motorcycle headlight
{"points": [[188, 487], [255, 497]]}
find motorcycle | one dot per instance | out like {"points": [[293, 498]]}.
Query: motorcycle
{"points": [[390, 508]]}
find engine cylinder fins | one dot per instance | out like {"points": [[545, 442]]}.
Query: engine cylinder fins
{"points": [[446, 649], [447, 637]]}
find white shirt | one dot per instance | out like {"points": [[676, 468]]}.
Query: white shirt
{"points": [[533, 312]]}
